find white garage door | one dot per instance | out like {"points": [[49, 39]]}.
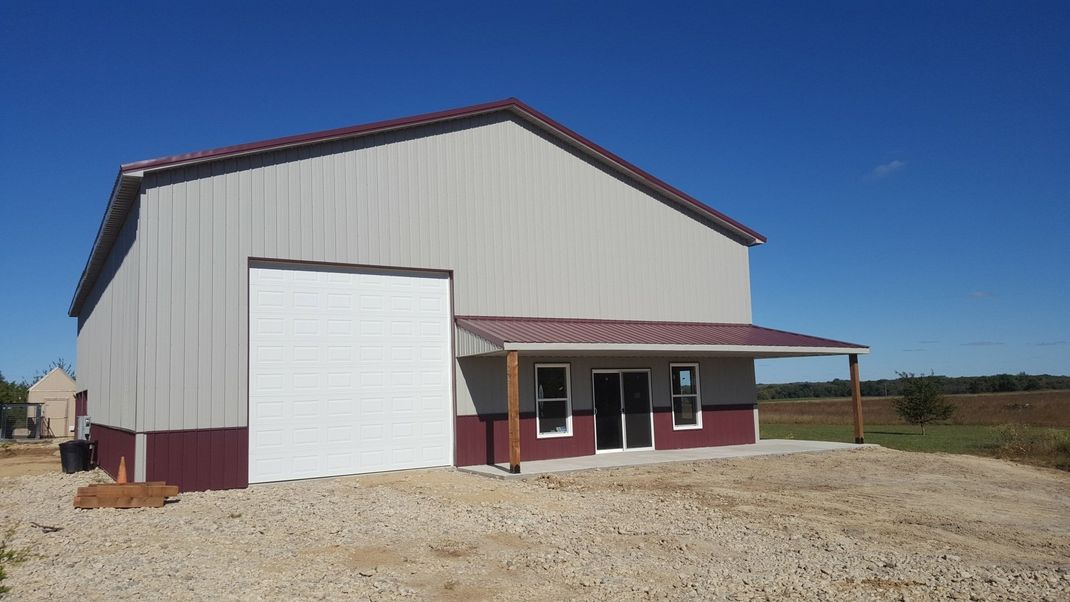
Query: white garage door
{"points": [[349, 372]]}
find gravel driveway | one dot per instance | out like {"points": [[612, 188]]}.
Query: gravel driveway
{"points": [[865, 524]]}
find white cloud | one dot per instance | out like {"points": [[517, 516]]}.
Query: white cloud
{"points": [[886, 169], [980, 294]]}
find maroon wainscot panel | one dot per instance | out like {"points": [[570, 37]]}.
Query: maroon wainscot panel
{"points": [[81, 403], [484, 439], [721, 425], [197, 460], [112, 444]]}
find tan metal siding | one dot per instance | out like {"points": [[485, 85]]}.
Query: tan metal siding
{"points": [[481, 380], [530, 228], [108, 333], [727, 381]]}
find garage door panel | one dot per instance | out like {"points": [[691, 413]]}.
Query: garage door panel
{"points": [[340, 463], [305, 436], [372, 460], [349, 373], [304, 465]]}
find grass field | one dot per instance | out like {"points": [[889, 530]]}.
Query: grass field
{"points": [[1034, 408], [1031, 427]]}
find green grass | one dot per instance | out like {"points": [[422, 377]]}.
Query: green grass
{"points": [[1033, 445], [952, 439], [8, 557]]}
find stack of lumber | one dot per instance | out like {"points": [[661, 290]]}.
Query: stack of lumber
{"points": [[127, 495], [121, 494]]}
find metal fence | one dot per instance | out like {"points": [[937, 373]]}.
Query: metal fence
{"points": [[22, 421]]}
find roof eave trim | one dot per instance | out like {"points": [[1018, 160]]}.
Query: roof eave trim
{"points": [[659, 347], [238, 150], [104, 240]]}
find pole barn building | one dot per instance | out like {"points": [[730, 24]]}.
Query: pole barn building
{"points": [[473, 286]]}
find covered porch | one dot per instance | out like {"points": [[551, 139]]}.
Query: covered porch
{"points": [[593, 387]]}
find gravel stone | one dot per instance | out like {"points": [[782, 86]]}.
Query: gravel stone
{"points": [[870, 524]]}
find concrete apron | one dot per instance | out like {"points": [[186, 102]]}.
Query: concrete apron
{"points": [[765, 447]]}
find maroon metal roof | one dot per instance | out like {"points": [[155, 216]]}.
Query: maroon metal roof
{"points": [[502, 330], [311, 137], [512, 104]]}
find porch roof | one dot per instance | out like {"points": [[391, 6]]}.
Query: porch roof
{"points": [[490, 335]]}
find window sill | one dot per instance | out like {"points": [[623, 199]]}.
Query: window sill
{"points": [[552, 435], [687, 427]]}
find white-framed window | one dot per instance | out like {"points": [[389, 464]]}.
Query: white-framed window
{"points": [[686, 400], [553, 401]]}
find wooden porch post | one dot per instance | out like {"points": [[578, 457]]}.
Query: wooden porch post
{"points": [[513, 385], [856, 397]]}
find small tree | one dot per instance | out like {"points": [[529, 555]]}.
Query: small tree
{"points": [[922, 401]]}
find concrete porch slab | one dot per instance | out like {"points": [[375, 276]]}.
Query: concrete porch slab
{"points": [[765, 447]]}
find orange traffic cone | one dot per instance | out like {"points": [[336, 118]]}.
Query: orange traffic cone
{"points": [[120, 478]]}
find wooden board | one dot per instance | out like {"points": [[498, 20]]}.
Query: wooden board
{"points": [[92, 485], [856, 397], [151, 494], [118, 502], [512, 379], [135, 489]]}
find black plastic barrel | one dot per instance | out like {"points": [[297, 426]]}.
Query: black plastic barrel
{"points": [[74, 455]]}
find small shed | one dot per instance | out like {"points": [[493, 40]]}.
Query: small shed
{"points": [[56, 391]]}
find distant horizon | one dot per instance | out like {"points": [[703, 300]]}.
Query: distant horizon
{"points": [[795, 382]]}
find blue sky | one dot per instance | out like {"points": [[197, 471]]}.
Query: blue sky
{"points": [[910, 164]]}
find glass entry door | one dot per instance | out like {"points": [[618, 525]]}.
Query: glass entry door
{"points": [[622, 410]]}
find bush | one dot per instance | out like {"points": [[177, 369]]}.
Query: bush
{"points": [[922, 401]]}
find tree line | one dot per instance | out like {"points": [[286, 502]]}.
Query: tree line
{"points": [[948, 385], [12, 392]]}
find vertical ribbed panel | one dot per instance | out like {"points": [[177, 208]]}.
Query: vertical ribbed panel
{"points": [[108, 336], [112, 446], [529, 228], [197, 460]]}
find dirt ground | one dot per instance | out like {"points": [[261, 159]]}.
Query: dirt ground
{"points": [[851, 525], [18, 459]]}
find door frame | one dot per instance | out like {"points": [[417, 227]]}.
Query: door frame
{"points": [[623, 417]]}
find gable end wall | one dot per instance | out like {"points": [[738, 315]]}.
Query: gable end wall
{"points": [[528, 227]]}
